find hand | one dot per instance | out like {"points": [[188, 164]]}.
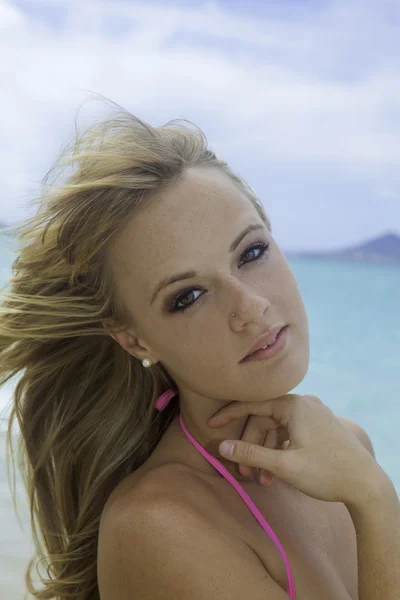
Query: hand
{"points": [[264, 432], [322, 458]]}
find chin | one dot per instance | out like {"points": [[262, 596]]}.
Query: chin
{"points": [[287, 380], [295, 376]]}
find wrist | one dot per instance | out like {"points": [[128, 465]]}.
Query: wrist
{"points": [[377, 491]]}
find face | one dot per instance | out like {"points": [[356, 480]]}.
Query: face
{"points": [[188, 325]]}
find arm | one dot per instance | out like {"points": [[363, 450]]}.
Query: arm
{"points": [[167, 551], [360, 433], [376, 517]]}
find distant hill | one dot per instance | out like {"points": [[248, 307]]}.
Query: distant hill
{"points": [[384, 249]]}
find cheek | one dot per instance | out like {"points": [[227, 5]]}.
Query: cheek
{"points": [[188, 356], [293, 295], [209, 369]]}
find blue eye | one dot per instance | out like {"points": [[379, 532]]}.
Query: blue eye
{"points": [[263, 254]]}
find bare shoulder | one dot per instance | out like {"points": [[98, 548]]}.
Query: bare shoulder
{"points": [[360, 433], [161, 546], [166, 482]]}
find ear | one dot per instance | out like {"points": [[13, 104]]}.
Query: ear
{"points": [[108, 324], [129, 342], [124, 338]]}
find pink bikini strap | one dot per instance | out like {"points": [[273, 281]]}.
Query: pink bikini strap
{"points": [[163, 401], [165, 398]]}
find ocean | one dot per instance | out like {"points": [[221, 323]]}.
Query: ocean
{"points": [[354, 321]]}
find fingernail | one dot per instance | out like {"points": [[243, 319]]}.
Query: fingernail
{"points": [[227, 448], [265, 478]]}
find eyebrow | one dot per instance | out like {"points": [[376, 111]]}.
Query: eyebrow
{"points": [[189, 274]]}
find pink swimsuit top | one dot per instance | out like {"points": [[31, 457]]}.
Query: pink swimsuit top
{"points": [[267, 528], [161, 402]]}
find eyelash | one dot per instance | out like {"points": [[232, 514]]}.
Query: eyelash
{"points": [[264, 252]]}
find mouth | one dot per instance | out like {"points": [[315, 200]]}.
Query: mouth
{"points": [[270, 350]]}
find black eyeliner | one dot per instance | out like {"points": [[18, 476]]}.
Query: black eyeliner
{"points": [[263, 246]]}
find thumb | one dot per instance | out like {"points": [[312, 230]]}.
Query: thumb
{"points": [[253, 455]]}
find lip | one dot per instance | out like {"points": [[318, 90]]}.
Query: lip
{"points": [[271, 352], [264, 339]]}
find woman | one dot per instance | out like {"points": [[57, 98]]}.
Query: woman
{"points": [[150, 274]]}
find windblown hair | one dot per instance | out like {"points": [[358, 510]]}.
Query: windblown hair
{"points": [[83, 406]]}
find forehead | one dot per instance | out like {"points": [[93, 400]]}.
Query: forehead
{"points": [[180, 223]]}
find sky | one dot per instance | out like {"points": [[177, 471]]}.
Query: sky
{"points": [[301, 97]]}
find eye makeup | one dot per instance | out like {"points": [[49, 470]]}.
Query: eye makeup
{"points": [[173, 305]]}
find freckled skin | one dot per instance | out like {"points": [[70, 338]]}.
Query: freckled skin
{"points": [[190, 225]]}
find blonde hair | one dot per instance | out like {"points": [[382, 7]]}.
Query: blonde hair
{"points": [[84, 406]]}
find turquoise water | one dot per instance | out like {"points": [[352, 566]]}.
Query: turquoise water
{"points": [[353, 312]]}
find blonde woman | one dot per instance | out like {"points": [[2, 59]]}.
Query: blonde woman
{"points": [[145, 286]]}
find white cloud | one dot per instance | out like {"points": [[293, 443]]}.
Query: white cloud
{"points": [[11, 18], [275, 89]]}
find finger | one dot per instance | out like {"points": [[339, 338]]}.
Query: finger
{"points": [[243, 470], [260, 475], [222, 419], [254, 433], [255, 430], [282, 437], [226, 414], [252, 455], [236, 410], [271, 441], [265, 478]]}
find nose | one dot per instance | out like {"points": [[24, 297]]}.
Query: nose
{"points": [[246, 303]]}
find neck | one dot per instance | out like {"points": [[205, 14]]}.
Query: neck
{"points": [[209, 438]]}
